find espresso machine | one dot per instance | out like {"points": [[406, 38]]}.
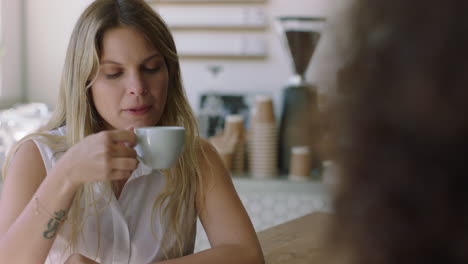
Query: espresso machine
{"points": [[299, 118]]}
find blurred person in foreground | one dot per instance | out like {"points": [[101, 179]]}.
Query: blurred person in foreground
{"points": [[403, 128]]}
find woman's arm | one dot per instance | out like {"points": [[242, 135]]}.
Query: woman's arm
{"points": [[25, 233], [27, 227], [227, 225]]}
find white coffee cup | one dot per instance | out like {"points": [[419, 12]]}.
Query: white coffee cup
{"points": [[159, 147]]}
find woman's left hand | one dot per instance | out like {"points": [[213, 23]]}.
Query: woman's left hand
{"points": [[79, 259]]}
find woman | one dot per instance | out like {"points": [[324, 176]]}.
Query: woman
{"points": [[403, 192], [76, 193]]}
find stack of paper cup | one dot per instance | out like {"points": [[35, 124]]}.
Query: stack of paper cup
{"points": [[299, 168], [234, 128], [263, 140]]}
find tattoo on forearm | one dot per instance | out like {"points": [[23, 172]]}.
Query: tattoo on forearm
{"points": [[53, 224]]}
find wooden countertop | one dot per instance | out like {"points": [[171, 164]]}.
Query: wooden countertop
{"points": [[294, 242]]}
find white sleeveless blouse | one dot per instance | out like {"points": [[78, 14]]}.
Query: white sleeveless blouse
{"points": [[125, 223]]}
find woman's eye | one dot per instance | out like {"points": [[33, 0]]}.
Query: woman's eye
{"points": [[152, 69], [113, 75]]}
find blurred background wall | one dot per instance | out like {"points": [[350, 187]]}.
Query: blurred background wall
{"points": [[47, 25]]}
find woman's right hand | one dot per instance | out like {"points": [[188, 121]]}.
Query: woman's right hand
{"points": [[104, 156], [79, 259]]}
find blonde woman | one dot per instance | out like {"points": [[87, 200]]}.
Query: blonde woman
{"points": [[75, 192]]}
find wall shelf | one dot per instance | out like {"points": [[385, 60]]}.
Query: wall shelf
{"points": [[217, 29], [222, 57], [207, 2], [211, 17], [226, 45], [220, 28]]}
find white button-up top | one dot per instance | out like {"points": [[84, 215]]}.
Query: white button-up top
{"points": [[125, 224]]}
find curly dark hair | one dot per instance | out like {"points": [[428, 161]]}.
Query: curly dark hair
{"points": [[403, 192]]}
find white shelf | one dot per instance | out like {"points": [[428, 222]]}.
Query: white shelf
{"points": [[220, 44], [206, 1], [213, 16], [214, 29]]}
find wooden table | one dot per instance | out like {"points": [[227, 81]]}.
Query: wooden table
{"points": [[295, 242]]}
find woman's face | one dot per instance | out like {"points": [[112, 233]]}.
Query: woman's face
{"points": [[131, 87]]}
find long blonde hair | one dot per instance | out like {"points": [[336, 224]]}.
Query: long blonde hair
{"points": [[75, 109]]}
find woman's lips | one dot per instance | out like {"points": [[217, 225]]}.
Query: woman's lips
{"points": [[137, 111]]}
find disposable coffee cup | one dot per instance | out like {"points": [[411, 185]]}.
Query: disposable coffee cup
{"points": [[264, 110], [159, 147], [234, 125], [300, 164]]}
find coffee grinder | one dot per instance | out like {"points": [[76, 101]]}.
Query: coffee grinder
{"points": [[299, 118]]}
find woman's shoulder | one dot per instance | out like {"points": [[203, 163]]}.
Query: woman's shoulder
{"points": [[35, 141], [42, 135], [27, 153], [60, 131], [208, 156], [204, 148], [43, 146], [51, 139], [49, 136]]}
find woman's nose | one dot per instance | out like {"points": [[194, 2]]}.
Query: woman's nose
{"points": [[136, 85]]}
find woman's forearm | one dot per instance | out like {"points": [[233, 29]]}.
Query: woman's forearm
{"points": [[30, 237], [225, 254]]}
